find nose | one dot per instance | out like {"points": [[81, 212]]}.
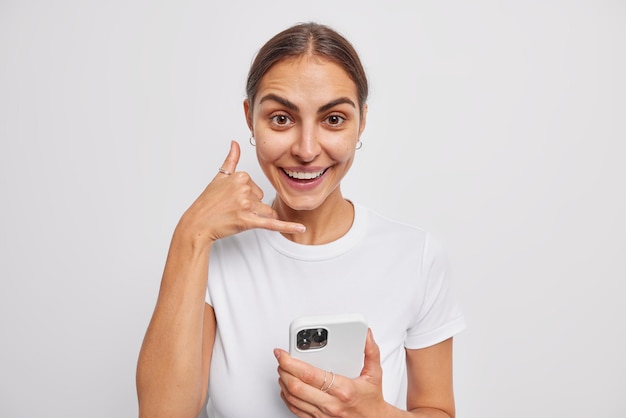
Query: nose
{"points": [[307, 145]]}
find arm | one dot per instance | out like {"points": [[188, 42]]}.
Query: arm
{"points": [[429, 370], [174, 361], [173, 366], [429, 386]]}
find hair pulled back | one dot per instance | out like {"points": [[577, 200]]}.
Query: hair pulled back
{"points": [[308, 38]]}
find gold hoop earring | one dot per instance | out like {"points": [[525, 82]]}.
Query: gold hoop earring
{"points": [[252, 141], [359, 144]]}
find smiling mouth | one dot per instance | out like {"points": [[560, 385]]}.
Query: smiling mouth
{"points": [[304, 175]]}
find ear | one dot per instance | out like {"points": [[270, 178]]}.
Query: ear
{"points": [[247, 110], [363, 119]]}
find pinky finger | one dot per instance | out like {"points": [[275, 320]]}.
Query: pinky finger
{"points": [[282, 226]]}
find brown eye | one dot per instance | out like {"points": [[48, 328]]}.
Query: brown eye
{"points": [[281, 119], [335, 120]]}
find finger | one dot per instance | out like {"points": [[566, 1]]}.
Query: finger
{"points": [[264, 211], [256, 190], [264, 216], [296, 405], [371, 361], [278, 225], [292, 370], [231, 161]]}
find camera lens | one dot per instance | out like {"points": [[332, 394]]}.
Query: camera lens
{"points": [[304, 344], [319, 336]]}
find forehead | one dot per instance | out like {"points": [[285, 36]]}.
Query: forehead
{"points": [[308, 79]]}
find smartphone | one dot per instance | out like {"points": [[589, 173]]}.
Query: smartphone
{"points": [[330, 342]]}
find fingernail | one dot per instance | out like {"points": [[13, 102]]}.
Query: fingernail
{"points": [[277, 353], [301, 228]]}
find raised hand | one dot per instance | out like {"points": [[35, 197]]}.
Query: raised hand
{"points": [[231, 203], [301, 387]]}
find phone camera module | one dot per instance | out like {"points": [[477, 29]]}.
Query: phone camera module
{"points": [[311, 339]]}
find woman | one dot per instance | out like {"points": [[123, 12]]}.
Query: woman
{"points": [[310, 252]]}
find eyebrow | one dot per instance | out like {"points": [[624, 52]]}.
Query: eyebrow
{"points": [[292, 106]]}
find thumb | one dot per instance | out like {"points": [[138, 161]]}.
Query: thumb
{"points": [[371, 361], [231, 161]]}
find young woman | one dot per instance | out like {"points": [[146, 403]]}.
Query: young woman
{"points": [[239, 270]]}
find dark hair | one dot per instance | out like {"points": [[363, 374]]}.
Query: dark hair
{"points": [[308, 38]]}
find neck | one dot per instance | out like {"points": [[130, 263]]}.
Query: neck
{"points": [[326, 223]]}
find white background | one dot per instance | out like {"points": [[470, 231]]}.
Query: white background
{"points": [[498, 125]]}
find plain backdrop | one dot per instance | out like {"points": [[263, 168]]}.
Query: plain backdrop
{"points": [[497, 125]]}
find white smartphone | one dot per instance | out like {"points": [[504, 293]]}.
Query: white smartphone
{"points": [[331, 342]]}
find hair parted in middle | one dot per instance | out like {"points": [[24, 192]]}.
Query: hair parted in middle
{"points": [[308, 39]]}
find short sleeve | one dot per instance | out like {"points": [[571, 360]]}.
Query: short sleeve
{"points": [[207, 298], [439, 315]]}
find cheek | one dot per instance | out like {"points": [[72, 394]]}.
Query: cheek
{"points": [[268, 151], [342, 152], [272, 145]]}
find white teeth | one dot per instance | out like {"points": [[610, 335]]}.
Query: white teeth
{"points": [[304, 175]]}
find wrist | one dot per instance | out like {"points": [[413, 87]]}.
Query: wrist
{"points": [[191, 235]]}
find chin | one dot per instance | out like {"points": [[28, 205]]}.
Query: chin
{"points": [[302, 203]]}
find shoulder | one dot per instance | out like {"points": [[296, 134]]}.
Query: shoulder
{"points": [[383, 227], [399, 237]]}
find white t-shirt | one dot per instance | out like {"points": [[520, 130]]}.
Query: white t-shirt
{"points": [[259, 281]]}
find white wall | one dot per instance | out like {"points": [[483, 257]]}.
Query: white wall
{"points": [[499, 125]]}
